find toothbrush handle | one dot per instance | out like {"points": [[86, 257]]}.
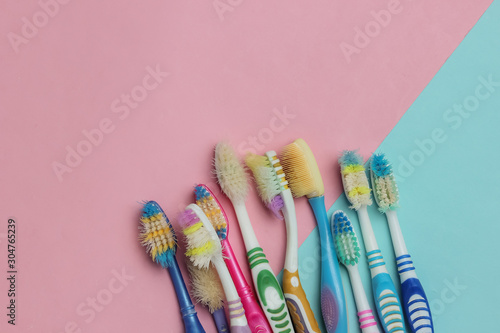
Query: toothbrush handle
{"points": [[298, 305], [191, 322], [415, 301], [333, 305], [367, 321], [255, 316], [220, 320], [269, 292], [385, 295], [237, 317]]}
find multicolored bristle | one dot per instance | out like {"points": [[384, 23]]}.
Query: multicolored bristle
{"points": [[206, 287], [385, 189], [270, 180], [230, 172], [344, 237], [207, 201], [301, 169], [201, 245], [356, 186], [157, 234]]}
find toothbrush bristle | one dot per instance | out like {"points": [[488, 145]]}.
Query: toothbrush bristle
{"points": [[356, 186], [301, 170], [200, 245], [344, 237], [212, 209], [268, 186], [206, 287], [157, 234], [276, 205], [385, 189], [230, 172]]}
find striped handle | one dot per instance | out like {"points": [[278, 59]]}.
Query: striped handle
{"points": [[367, 322], [237, 317], [384, 292], [415, 302], [298, 305], [269, 292]]}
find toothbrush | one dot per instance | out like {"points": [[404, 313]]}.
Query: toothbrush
{"points": [[357, 191], [158, 236], [386, 195], [346, 244], [207, 290], [304, 178], [273, 190], [207, 201], [203, 248], [233, 181]]}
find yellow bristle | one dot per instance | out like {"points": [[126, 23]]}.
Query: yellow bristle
{"points": [[301, 170]]}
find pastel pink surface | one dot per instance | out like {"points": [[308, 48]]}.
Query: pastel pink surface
{"points": [[227, 80]]}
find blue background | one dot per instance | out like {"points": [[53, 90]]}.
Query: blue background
{"points": [[449, 193]]}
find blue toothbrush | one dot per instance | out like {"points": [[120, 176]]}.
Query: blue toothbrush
{"points": [[304, 178], [157, 235], [386, 195]]}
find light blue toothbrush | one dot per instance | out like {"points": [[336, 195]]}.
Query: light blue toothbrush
{"points": [[357, 190]]}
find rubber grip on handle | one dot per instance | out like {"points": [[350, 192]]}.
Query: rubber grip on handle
{"points": [[237, 317], [416, 306], [387, 303], [367, 321], [300, 311], [269, 291], [333, 304]]}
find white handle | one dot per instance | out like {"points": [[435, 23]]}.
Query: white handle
{"points": [[367, 321]]}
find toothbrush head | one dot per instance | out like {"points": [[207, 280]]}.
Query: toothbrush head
{"points": [[206, 287], [270, 179], [356, 186], [207, 201], [301, 170], [385, 189], [202, 242], [230, 173], [157, 234], [344, 237]]}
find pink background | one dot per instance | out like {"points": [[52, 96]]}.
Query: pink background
{"points": [[226, 80]]}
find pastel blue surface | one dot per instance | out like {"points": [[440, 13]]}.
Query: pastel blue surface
{"points": [[444, 158]]}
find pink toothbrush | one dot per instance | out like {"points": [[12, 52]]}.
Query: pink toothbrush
{"points": [[213, 210]]}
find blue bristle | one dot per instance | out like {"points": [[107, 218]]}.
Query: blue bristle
{"points": [[165, 259], [151, 208], [350, 157], [201, 192], [380, 165]]}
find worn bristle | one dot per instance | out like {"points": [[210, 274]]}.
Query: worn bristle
{"points": [[206, 286], [201, 246], [301, 170], [230, 172], [356, 186], [212, 209], [385, 189], [268, 185], [344, 237], [157, 234]]}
